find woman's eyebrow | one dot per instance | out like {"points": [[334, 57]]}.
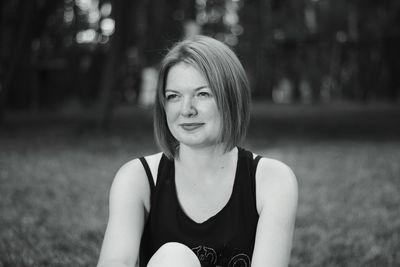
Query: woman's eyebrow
{"points": [[201, 87], [196, 89]]}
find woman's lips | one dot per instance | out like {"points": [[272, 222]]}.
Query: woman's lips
{"points": [[191, 126]]}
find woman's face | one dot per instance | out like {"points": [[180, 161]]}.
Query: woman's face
{"points": [[190, 106]]}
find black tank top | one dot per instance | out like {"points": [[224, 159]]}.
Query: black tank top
{"points": [[225, 239]]}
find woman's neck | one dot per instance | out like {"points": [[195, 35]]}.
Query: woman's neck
{"points": [[208, 158]]}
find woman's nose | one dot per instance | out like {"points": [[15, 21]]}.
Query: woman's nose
{"points": [[188, 108]]}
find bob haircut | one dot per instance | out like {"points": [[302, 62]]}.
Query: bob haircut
{"points": [[227, 80]]}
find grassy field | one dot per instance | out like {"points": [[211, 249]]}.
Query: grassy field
{"points": [[55, 172]]}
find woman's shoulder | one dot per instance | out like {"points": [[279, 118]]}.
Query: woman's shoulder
{"points": [[131, 178], [271, 170], [271, 164], [275, 178], [136, 166]]}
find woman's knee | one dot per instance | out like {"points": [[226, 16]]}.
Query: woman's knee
{"points": [[175, 255]]}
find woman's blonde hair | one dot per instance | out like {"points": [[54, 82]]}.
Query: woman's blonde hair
{"points": [[227, 80]]}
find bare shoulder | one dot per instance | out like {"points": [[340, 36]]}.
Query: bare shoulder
{"points": [[131, 182], [276, 196], [129, 204], [275, 171], [129, 179], [275, 183], [133, 171]]}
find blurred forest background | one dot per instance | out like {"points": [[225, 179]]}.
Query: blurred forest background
{"points": [[97, 54], [77, 81]]}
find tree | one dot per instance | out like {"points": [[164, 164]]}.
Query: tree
{"points": [[16, 48], [122, 12]]}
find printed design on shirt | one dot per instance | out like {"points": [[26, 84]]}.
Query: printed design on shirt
{"points": [[205, 255], [209, 257], [239, 260]]}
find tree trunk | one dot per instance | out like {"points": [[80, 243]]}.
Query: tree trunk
{"points": [[16, 52], [114, 59], [2, 91], [16, 43]]}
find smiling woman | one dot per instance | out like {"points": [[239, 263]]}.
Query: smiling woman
{"points": [[203, 200], [192, 113], [224, 77]]}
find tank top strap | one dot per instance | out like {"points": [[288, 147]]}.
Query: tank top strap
{"points": [[164, 168], [148, 173], [251, 163], [255, 163], [249, 155]]}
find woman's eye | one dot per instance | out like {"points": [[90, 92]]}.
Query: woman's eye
{"points": [[171, 96], [204, 94]]}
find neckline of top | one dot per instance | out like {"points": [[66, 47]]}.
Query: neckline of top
{"points": [[218, 213]]}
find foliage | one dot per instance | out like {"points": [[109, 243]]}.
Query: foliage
{"points": [[91, 53]]}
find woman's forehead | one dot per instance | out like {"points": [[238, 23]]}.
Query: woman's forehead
{"points": [[184, 75]]}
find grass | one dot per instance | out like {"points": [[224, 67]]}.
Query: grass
{"points": [[349, 196], [55, 174]]}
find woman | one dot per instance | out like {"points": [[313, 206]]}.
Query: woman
{"points": [[203, 201]]}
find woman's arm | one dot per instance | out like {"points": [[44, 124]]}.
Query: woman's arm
{"points": [[129, 200], [277, 194]]}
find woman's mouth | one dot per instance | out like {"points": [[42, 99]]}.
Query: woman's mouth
{"points": [[191, 126]]}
